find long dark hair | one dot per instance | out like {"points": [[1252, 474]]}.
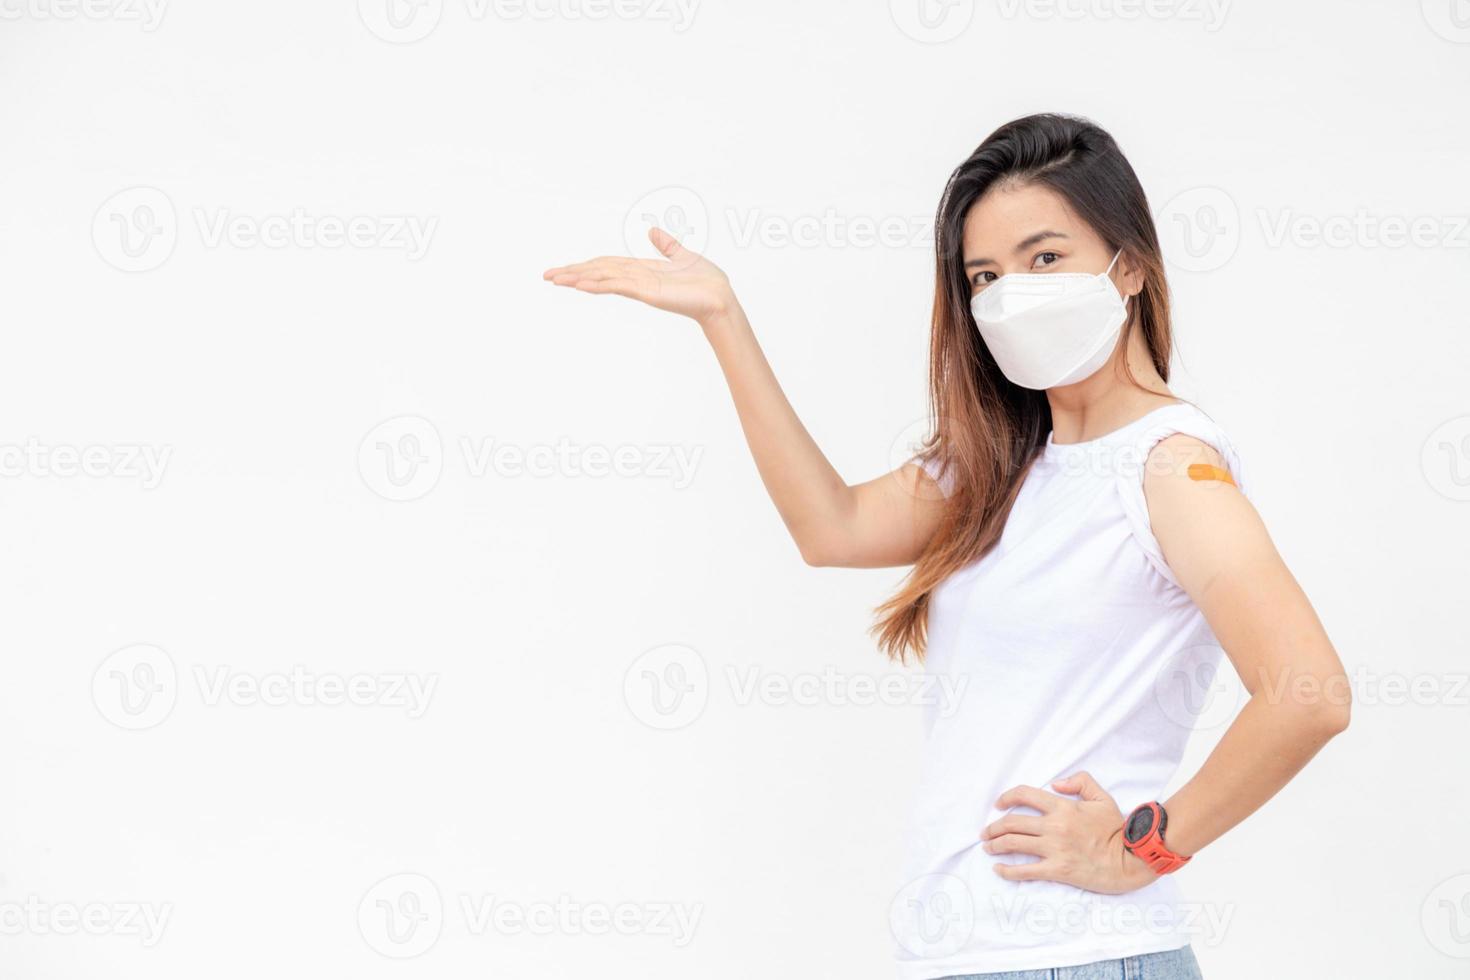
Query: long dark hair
{"points": [[987, 429]]}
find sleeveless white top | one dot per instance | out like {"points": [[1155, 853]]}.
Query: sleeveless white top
{"points": [[1077, 650]]}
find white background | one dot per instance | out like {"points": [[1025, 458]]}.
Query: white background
{"points": [[524, 139]]}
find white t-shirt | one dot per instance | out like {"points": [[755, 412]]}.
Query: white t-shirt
{"points": [[1078, 650]]}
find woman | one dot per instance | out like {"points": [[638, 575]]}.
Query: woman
{"points": [[1082, 552]]}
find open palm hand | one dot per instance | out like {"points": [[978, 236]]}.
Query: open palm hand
{"points": [[682, 282]]}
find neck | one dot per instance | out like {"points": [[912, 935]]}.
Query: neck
{"points": [[1108, 400]]}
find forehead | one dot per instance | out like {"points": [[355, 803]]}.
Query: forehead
{"points": [[1008, 213]]}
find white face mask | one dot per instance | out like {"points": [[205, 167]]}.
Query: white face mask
{"points": [[1048, 329]]}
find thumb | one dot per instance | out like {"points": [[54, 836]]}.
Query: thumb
{"points": [[667, 244], [1082, 784]]}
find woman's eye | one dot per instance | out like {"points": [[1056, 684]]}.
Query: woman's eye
{"points": [[983, 279], [1047, 258]]}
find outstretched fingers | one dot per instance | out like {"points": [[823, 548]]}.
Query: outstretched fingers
{"points": [[617, 285], [604, 267], [567, 274]]}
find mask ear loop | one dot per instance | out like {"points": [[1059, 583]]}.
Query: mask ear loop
{"points": [[1108, 273]]}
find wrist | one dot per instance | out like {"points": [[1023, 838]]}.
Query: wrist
{"points": [[1134, 871], [1184, 828], [723, 317], [1143, 833]]}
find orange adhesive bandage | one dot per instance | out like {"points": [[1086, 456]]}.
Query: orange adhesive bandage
{"points": [[1205, 471]]}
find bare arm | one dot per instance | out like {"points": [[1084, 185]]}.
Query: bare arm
{"points": [[1221, 554], [883, 522]]}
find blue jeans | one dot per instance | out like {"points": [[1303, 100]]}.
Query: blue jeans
{"points": [[1176, 964]]}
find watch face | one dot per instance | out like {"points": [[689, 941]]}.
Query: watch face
{"points": [[1139, 824]]}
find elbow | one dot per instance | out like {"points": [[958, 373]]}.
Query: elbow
{"points": [[826, 536], [823, 550], [815, 555], [1329, 716], [1335, 719]]}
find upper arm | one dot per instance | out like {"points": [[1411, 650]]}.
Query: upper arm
{"points": [[1219, 551], [888, 521]]}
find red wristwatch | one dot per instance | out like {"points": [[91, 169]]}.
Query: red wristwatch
{"points": [[1143, 834]]}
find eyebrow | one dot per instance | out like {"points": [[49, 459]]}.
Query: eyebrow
{"points": [[1029, 241]]}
